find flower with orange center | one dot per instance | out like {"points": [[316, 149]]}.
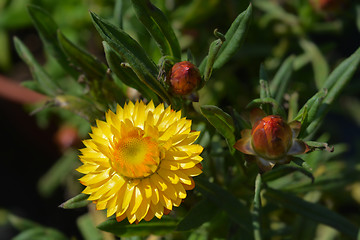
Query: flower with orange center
{"points": [[140, 161], [271, 140]]}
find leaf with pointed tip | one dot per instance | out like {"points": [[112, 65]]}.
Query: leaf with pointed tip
{"points": [[45, 82], [126, 74], [235, 37], [133, 54], [158, 26], [47, 29], [78, 201]]}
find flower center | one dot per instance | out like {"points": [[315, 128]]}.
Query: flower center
{"points": [[136, 156]]}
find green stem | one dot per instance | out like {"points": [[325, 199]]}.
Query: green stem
{"points": [[256, 209]]}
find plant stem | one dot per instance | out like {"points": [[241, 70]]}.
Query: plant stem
{"points": [[256, 209]]}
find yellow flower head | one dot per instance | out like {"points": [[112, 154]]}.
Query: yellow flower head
{"points": [[140, 161]]}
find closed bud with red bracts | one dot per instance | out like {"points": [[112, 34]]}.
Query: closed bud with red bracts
{"points": [[184, 78]]}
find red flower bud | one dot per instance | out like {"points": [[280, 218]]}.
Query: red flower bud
{"points": [[271, 137], [184, 78]]}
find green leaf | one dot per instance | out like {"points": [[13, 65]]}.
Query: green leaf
{"points": [[281, 79], [89, 65], [256, 211], [236, 210], [126, 74], [276, 108], [45, 82], [335, 83], [312, 211], [133, 54], [124, 229], [234, 37], [47, 29], [207, 64], [57, 173], [282, 171], [78, 201], [22, 224], [319, 64], [222, 122], [40, 234], [198, 215], [158, 26], [87, 228]]}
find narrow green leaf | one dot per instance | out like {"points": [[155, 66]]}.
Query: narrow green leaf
{"points": [[57, 173], [126, 74], [319, 64], [158, 26], [282, 171], [124, 229], [293, 106], [222, 122], [312, 211], [87, 228], [47, 29], [78, 201], [336, 82], [82, 106], [89, 65], [133, 54], [281, 79], [45, 82], [320, 94], [40, 234], [235, 37], [207, 64], [256, 211], [198, 215], [236, 210], [276, 108], [22, 224]]}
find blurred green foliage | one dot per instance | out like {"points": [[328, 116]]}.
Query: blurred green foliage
{"points": [[291, 58]]}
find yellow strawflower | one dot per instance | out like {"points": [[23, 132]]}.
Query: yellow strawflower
{"points": [[140, 161]]}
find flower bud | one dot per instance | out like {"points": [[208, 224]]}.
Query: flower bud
{"points": [[271, 137], [184, 78]]}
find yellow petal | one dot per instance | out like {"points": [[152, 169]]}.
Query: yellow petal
{"points": [[195, 171], [157, 181], [170, 176], [128, 194]]}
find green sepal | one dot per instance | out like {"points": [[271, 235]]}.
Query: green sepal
{"points": [[126, 74], [158, 26], [133, 54], [222, 122], [47, 29], [198, 215], [78, 201], [235, 37], [237, 211], [315, 212], [45, 82], [124, 229]]}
